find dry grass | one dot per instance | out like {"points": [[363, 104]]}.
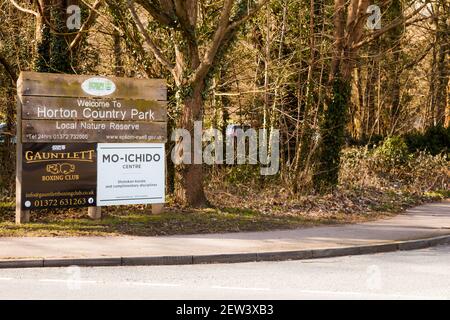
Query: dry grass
{"points": [[243, 201], [263, 211], [135, 220]]}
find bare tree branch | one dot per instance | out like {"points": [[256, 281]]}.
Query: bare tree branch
{"points": [[153, 47], [419, 58], [15, 4], [250, 14], [159, 15], [9, 69], [86, 25], [393, 25], [219, 35], [223, 34]]}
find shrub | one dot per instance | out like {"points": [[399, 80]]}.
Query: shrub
{"points": [[435, 140], [393, 151], [7, 176], [421, 172]]}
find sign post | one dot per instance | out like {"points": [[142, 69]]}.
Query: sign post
{"points": [[22, 216], [88, 141]]}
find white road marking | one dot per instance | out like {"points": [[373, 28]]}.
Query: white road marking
{"points": [[5, 279], [67, 281], [240, 288], [151, 284], [366, 294], [330, 292]]}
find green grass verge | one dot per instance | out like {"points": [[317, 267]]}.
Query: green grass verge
{"points": [[135, 222]]}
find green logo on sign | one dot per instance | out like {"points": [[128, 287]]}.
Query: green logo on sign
{"points": [[98, 86]]}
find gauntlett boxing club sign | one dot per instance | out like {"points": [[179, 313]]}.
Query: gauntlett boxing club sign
{"points": [[71, 128], [59, 175]]}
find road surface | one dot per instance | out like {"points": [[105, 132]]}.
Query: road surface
{"points": [[421, 274]]}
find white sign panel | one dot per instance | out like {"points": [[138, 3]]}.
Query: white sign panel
{"points": [[130, 173]]}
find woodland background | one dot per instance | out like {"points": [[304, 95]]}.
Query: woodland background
{"points": [[363, 113]]}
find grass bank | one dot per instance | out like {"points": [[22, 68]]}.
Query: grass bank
{"points": [[138, 221]]}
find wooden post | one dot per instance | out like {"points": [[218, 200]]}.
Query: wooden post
{"points": [[157, 208], [22, 216], [95, 213]]}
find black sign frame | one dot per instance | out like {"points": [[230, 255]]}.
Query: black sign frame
{"points": [[59, 175]]}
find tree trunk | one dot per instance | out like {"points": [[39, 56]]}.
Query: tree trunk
{"points": [[8, 148], [41, 59], [51, 50], [371, 86], [189, 189], [443, 30], [395, 106], [348, 28], [60, 58], [333, 135], [118, 63]]}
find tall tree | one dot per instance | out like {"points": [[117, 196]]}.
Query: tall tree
{"points": [[42, 37], [349, 20], [348, 24], [440, 64], [191, 63], [58, 48]]}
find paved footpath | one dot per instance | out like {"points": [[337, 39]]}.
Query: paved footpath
{"points": [[419, 227]]}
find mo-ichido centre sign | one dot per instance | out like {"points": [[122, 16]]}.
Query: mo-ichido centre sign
{"points": [[89, 141]]}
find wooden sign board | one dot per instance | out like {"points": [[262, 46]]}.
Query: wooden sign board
{"points": [[63, 108], [79, 111], [63, 85], [92, 131]]}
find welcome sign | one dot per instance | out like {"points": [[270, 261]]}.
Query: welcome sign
{"points": [[63, 108], [71, 130]]}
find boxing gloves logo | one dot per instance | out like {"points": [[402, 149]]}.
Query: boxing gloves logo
{"points": [[61, 168]]}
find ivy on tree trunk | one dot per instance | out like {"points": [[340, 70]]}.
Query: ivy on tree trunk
{"points": [[333, 135]]}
